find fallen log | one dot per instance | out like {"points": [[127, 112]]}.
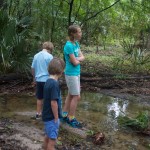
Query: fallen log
{"points": [[9, 77], [6, 78], [86, 79], [80, 132], [106, 86], [90, 79], [146, 132]]}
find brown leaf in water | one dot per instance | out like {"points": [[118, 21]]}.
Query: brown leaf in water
{"points": [[98, 138]]}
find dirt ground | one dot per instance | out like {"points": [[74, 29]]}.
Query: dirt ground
{"points": [[12, 133], [18, 136]]}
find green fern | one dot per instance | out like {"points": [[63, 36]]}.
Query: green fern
{"points": [[141, 122]]}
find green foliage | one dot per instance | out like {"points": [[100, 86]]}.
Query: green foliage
{"points": [[59, 143], [90, 132], [23, 23], [120, 76], [141, 122], [134, 59], [15, 43]]}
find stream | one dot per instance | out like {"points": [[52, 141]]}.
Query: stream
{"points": [[98, 112]]}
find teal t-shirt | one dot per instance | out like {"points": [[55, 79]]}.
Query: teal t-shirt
{"points": [[70, 48]]}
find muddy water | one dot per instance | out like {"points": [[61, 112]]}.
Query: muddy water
{"points": [[98, 112]]}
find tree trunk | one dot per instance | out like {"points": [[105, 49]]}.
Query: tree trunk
{"points": [[148, 41], [2, 4], [70, 12]]}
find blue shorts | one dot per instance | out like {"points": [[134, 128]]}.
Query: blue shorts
{"points": [[51, 129], [39, 90]]}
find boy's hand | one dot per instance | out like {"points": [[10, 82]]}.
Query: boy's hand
{"points": [[33, 84], [54, 107], [56, 120]]}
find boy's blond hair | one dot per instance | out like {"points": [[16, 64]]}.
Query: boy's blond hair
{"points": [[48, 46]]}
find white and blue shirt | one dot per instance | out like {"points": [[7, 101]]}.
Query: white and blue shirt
{"points": [[40, 65]]}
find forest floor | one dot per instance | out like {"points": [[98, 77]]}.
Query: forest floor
{"points": [[11, 130]]}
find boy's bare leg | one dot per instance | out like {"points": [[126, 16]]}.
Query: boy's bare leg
{"points": [[73, 105], [39, 106], [51, 144], [67, 103], [45, 142]]}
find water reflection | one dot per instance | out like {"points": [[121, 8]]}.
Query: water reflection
{"points": [[117, 107]]}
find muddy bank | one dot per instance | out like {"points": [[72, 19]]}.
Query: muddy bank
{"points": [[124, 86], [18, 136], [27, 136], [118, 85]]}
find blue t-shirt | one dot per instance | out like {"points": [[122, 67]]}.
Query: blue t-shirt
{"points": [[70, 48], [51, 92], [40, 65]]}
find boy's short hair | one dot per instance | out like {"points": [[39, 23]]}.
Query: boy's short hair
{"points": [[56, 66], [48, 46]]}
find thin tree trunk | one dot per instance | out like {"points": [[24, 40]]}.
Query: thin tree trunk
{"points": [[148, 41], [70, 12], [54, 19], [1, 3]]}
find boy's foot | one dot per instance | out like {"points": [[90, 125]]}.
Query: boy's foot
{"points": [[36, 117], [74, 123], [64, 119]]}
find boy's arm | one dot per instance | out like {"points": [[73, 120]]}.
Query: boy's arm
{"points": [[33, 70], [81, 56], [73, 60], [33, 74], [54, 109]]}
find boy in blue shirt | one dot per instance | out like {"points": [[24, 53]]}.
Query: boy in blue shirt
{"points": [[40, 72], [51, 109]]}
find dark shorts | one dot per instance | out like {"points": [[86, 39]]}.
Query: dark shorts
{"points": [[51, 129], [40, 90]]}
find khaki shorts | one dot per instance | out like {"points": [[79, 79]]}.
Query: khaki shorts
{"points": [[73, 84]]}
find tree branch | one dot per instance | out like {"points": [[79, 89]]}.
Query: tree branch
{"points": [[93, 16], [54, 19], [77, 12], [67, 2]]}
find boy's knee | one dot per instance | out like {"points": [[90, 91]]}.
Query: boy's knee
{"points": [[78, 97]]}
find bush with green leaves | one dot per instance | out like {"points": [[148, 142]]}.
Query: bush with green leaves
{"points": [[16, 42], [140, 122], [134, 60]]}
